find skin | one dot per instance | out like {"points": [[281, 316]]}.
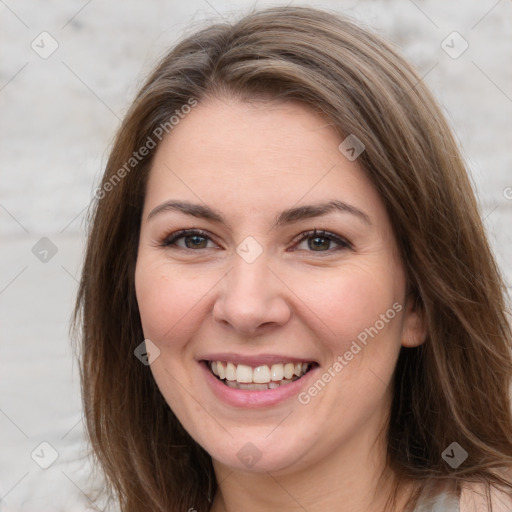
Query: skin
{"points": [[250, 161]]}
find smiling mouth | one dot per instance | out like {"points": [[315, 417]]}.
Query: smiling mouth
{"points": [[259, 378]]}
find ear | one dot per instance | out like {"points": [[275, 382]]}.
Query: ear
{"points": [[414, 328]]}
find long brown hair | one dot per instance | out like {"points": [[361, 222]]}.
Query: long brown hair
{"points": [[453, 388]]}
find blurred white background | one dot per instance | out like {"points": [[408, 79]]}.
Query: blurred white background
{"points": [[59, 113]]}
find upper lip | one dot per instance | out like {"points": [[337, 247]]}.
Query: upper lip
{"points": [[254, 360]]}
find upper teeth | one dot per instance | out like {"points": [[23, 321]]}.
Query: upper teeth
{"points": [[259, 375]]}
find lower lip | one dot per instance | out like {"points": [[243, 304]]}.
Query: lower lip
{"points": [[256, 398]]}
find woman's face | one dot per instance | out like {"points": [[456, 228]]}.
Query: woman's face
{"points": [[253, 295]]}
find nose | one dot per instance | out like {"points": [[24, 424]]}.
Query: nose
{"points": [[251, 298]]}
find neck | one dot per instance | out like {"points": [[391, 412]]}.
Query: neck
{"points": [[350, 479]]}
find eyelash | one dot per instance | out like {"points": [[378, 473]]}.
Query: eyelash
{"points": [[171, 239]]}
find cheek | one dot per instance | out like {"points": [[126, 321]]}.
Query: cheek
{"points": [[168, 301], [350, 300]]}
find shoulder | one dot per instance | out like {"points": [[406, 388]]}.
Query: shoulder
{"points": [[474, 498]]}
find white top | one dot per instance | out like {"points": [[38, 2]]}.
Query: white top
{"points": [[443, 502], [473, 498]]}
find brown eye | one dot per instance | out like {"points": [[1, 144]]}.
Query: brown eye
{"points": [[187, 239], [195, 241], [322, 241], [319, 243]]}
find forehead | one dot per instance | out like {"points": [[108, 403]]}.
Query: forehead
{"points": [[255, 157], [233, 130]]}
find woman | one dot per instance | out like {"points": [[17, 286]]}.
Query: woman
{"points": [[288, 301]]}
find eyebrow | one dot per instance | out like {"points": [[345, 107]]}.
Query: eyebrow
{"points": [[288, 216]]}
